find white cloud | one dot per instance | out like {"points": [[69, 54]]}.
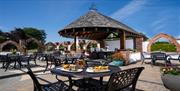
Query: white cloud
{"points": [[129, 9], [158, 22], [159, 28], [178, 36]]}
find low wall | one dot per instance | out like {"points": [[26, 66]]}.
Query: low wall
{"points": [[134, 57]]}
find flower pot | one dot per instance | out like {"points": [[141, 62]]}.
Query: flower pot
{"points": [[117, 63], [171, 82]]}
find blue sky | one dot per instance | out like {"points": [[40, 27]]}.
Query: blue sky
{"points": [[147, 16]]}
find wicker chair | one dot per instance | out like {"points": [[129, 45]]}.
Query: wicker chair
{"points": [[120, 81], [57, 86]]}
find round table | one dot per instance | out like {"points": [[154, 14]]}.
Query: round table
{"points": [[84, 74]]}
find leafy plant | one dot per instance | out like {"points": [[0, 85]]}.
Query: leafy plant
{"points": [[170, 70], [2, 39], [94, 45], [118, 56], [61, 47]]}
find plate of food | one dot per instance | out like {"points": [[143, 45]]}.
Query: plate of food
{"points": [[98, 69], [70, 68]]}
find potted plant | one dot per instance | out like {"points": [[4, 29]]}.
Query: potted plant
{"points": [[117, 59], [171, 78]]}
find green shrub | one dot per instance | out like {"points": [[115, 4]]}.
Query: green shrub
{"points": [[32, 46], [163, 46]]}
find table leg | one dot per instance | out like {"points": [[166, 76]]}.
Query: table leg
{"points": [[70, 83], [101, 80]]}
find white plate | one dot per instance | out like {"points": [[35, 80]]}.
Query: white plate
{"points": [[78, 70], [91, 70]]}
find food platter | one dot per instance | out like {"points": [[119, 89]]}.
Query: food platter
{"points": [[97, 69], [69, 70]]}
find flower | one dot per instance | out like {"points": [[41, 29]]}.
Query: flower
{"points": [[170, 70]]}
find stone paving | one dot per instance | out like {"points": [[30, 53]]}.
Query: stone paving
{"points": [[149, 79]]}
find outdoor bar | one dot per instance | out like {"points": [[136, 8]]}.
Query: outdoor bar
{"points": [[96, 26]]}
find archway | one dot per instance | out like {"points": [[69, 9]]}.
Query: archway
{"points": [[40, 45], [19, 48], [166, 36]]}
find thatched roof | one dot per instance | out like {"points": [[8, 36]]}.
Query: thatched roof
{"points": [[94, 19]]}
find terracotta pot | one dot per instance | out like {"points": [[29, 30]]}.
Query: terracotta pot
{"points": [[171, 82]]}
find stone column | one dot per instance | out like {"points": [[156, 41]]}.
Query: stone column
{"points": [[123, 40], [138, 44]]}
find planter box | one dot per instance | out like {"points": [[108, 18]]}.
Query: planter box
{"points": [[171, 82]]}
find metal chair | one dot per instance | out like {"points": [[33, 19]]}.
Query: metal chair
{"points": [[50, 60], [11, 58], [143, 57], [118, 81], [159, 56], [3, 59], [57, 86], [171, 58]]}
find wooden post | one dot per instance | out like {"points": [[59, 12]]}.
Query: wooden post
{"points": [[134, 43], [123, 40], [75, 40]]}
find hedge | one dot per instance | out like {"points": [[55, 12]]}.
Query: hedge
{"points": [[163, 46]]}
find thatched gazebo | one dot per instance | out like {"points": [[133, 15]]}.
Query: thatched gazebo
{"points": [[96, 26]]}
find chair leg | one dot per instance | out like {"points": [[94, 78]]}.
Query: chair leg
{"points": [[15, 64], [35, 88], [46, 68], [3, 64], [19, 62], [153, 61], [51, 64], [142, 61], [7, 65], [28, 62], [133, 87], [35, 61]]}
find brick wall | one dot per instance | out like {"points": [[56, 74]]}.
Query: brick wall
{"points": [[138, 42]]}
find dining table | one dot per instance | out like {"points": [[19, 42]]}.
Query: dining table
{"points": [[84, 74]]}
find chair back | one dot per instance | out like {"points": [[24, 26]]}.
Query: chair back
{"points": [[159, 56], [94, 55], [124, 79], [101, 55], [37, 85]]}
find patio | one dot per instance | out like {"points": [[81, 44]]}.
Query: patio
{"points": [[149, 79], [68, 62]]}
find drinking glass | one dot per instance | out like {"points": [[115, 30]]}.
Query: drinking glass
{"points": [[102, 62]]}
